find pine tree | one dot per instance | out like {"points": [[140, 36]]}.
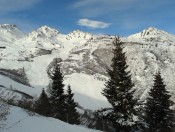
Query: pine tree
{"points": [[158, 115], [71, 113], [24, 76], [42, 105], [57, 96], [118, 91]]}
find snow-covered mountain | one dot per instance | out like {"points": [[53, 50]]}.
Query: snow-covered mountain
{"points": [[84, 59], [152, 35], [9, 33]]}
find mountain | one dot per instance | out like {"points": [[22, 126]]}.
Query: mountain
{"points": [[84, 59], [10, 33], [152, 35]]}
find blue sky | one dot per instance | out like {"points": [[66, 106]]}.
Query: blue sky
{"points": [[115, 17]]}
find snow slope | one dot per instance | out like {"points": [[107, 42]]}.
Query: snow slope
{"points": [[20, 121], [13, 85]]}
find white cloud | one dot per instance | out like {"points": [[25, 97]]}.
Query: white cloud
{"points": [[7, 6], [92, 24]]}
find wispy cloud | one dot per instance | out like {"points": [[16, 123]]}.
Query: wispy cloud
{"points": [[93, 8], [92, 24], [87, 7], [7, 6]]}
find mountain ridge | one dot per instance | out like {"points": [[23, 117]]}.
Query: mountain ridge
{"points": [[85, 56]]}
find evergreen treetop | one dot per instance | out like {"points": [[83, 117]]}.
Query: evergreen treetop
{"points": [[57, 96], [57, 86], [72, 114], [42, 105], [158, 115], [118, 90]]}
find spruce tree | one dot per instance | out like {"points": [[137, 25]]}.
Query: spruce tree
{"points": [[158, 115], [42, 105], [118, 91], [57, 96], [71, 113]]}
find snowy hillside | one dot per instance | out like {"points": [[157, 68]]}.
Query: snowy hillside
{"points": [[20, 121], [85, 59]]}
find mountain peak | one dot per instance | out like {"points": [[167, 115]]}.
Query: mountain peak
{"points": [[152, 28], [46, 29], [44, 32], [10, 32], [151, 31], [8, 27], [77, 31], [79, 34]]}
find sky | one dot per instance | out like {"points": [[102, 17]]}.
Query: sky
{"points": [[114, 17]]}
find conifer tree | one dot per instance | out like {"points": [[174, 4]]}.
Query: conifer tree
{"points": [[71, 113], [57, 96], [119, 93], [42, 105], [158, 115]]}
